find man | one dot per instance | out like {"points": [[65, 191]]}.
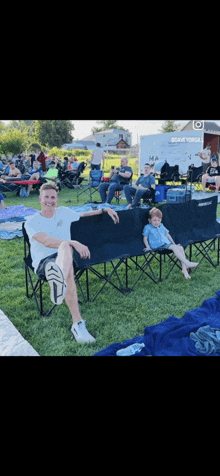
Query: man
{"points": [[52, 252], [143, 185], [97, 157], [205, 156], [52, 173], [212, 175], [13, 171], [118, 178]]}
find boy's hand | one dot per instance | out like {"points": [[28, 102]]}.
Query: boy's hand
{"points": [[147, 249]]}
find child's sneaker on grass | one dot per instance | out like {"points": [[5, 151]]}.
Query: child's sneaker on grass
{"points": [[56, 281], [80, 332]]}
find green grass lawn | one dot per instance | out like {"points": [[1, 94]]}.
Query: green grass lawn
{"points": [[112, 317]]}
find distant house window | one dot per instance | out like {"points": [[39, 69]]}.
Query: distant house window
{"points": [[121, 136]]}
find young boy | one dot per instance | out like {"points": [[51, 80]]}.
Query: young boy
{"points": [[156, 236]]}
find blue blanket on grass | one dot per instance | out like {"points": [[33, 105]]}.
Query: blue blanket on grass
{"points": [[13, 214], [172, 336], [17, 213]]}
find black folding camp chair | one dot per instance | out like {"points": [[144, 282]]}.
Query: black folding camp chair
{"points": [[71, 178], [206, 230], [9, 187], [114, 251], [169, 174], [32, 279], [194, 175], [194, 224]]}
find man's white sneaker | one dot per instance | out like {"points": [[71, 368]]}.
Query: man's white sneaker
{"points": [[80, 332], [56, 281]]}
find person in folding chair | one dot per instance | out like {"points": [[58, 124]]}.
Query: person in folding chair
{"points": [[144, 186], [52, 252], [118, 178], [212, 175], [156, 236]]}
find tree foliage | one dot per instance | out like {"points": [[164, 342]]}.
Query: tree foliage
{"points": [[13, 141], [107, 124], [169, 126], [53, 133]]}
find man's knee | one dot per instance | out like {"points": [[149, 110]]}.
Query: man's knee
{"points": [[66, 248]]}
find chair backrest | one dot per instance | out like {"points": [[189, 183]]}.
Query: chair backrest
{"points": [[194, 173], [169, 172], [177, 219], [81, 167], [191, 221], [205, 225], [27, 246], [95, 176], [107, 241]]}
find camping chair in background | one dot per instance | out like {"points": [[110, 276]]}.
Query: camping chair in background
{"points": [[95, 177], [169, 174], [32, 279], [120, 193], [194, 175], [71, 178], [9, 187], [149, 197]]}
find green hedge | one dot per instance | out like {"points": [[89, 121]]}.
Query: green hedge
{"points": [[78, 153]]}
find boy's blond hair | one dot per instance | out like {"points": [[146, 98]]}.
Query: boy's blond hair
{"points": [[49, 186], [155, 212]]}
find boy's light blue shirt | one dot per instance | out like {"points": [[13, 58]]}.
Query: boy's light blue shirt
{"points": [[156, 235]]}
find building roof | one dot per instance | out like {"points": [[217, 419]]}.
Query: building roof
{"points": [[111, 131], [79, 144], [208, 126], [91, 138]]}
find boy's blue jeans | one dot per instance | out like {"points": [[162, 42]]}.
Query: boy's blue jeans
{"points": [[112, 187]]}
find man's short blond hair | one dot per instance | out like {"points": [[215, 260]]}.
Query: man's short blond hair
{"points": [[49, 186]]}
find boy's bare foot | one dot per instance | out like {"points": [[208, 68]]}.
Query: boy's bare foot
{"points": [[186, 274], [190, 264]]}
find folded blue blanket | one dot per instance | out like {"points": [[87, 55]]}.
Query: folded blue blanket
{"points": [[207, 339], [172, 336]]}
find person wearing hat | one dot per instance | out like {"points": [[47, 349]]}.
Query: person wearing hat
{"points": [[212, 174]]}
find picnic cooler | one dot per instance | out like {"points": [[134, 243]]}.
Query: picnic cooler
{"points": [[178, 195], [161, 192]]}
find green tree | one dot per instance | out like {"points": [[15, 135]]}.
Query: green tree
{"points": [[53, 133], [2, 127], [106, 125], [169, 126], [13, 141]]}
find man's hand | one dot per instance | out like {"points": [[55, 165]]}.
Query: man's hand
{"points": [[81, 249], [113, 215]]}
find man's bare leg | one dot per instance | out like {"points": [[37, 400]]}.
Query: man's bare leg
{"points": [[65, 262]]}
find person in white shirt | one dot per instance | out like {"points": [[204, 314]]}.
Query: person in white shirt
{"points": [[52, 252], [97, 156], [205, 156]]}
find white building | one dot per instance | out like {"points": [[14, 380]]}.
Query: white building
{"points": [[111, 139]]}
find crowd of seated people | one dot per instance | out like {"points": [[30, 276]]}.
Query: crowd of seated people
{"points": [[33, 167]]}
